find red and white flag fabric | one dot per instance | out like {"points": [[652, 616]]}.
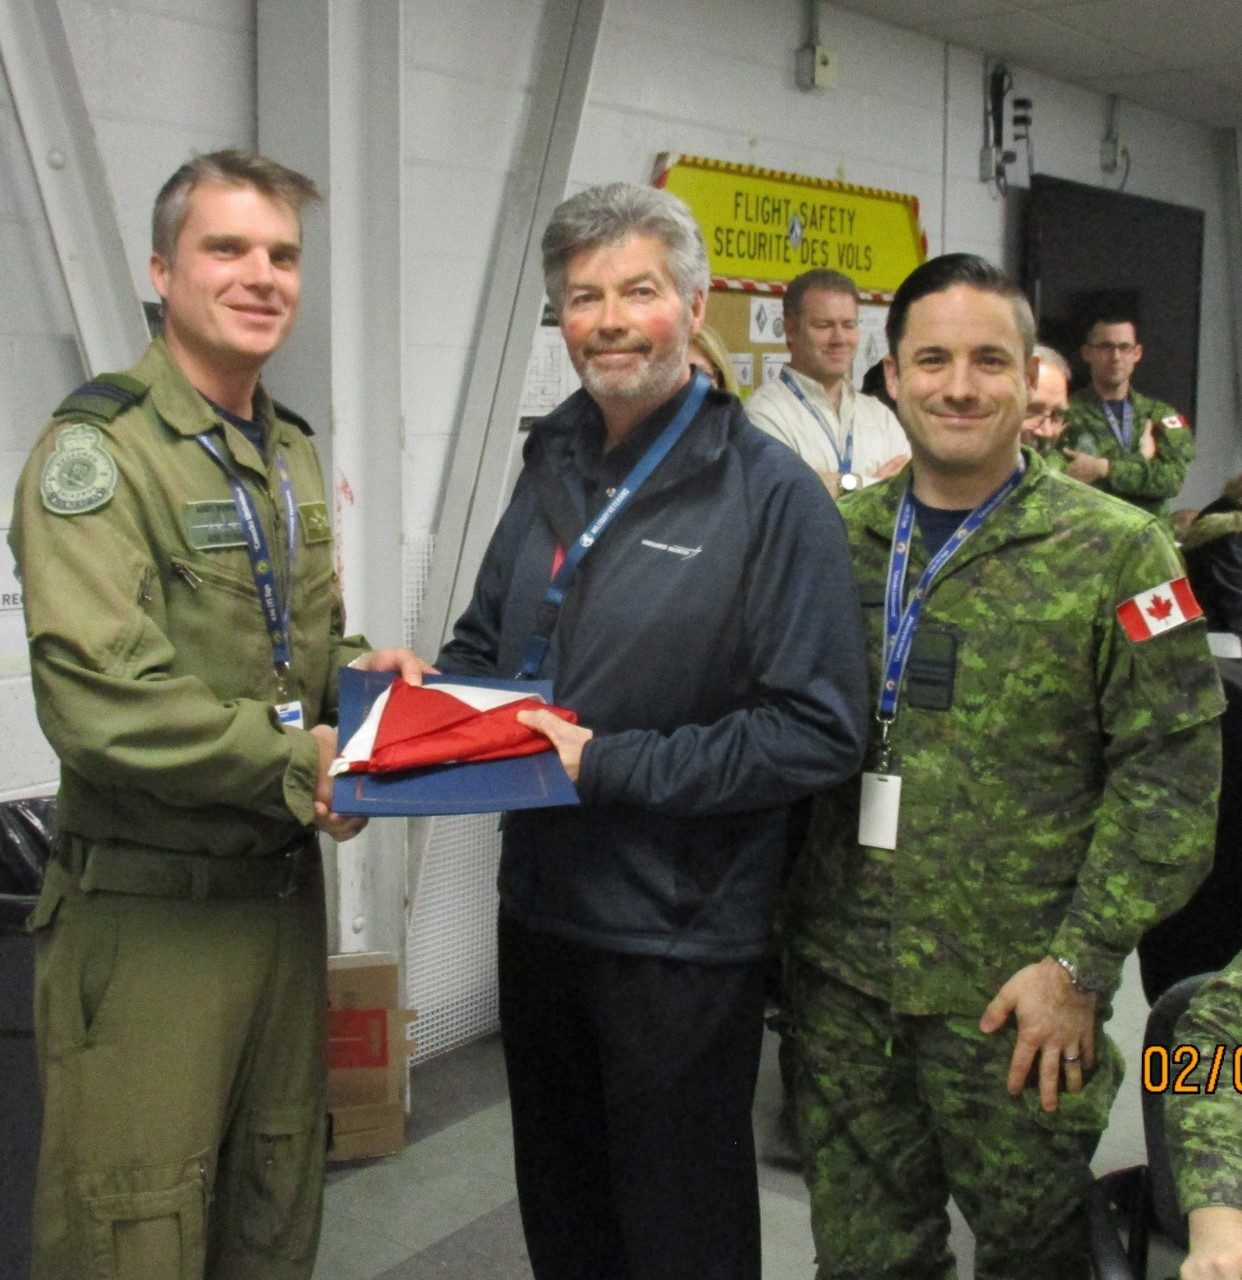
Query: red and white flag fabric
{"points": [[1174, 422], [1151, 613], [415, 726]]}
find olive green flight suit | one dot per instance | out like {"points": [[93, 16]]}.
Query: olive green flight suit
{"points": [[180, 987]]}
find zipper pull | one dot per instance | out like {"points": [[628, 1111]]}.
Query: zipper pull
{"points": [[183, 570]]}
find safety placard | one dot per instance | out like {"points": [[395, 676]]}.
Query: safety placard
{"points": [[764, 227]]}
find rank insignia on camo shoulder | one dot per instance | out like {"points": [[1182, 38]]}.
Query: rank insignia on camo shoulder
{"points": [[1151, 613], [79, 475]]}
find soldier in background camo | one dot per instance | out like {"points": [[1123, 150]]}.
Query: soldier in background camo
{"points": [[1205, 1130], [1058, 778], [1118, 439]]}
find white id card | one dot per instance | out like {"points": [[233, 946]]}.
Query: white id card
{"points": [[290, 713], [881, 805]]}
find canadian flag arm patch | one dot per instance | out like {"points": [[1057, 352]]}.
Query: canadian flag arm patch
{"points": [[1161, 609], [1174, 422]]}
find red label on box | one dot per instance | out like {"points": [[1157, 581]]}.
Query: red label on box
{"points": [[357, 1038]]}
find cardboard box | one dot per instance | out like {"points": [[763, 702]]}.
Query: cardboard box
{"points": [[370, 1041]]}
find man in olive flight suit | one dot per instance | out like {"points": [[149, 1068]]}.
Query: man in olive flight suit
{"points": [[1118, 439], [185, 631], [1041, 789]]}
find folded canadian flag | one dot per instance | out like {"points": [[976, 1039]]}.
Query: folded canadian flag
{"points": [[414, 726]]}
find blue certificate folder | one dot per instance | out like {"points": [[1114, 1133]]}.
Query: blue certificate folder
{"points": [[495, 786]]}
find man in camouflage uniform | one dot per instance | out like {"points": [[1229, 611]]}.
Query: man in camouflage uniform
{"points": [[1118, 439], [1205, 1128], [1041, 790], [178, 667]]}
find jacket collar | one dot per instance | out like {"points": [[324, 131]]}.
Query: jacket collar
{"points": [[556, 441], [555, 455], [1024, 514], [184, 411]]}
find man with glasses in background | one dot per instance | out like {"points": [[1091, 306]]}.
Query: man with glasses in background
{"points": [[1047, 411], [1118, 439]]}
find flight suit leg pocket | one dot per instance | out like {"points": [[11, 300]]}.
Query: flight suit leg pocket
{"points": [[280, 1203], [155, 1234]]}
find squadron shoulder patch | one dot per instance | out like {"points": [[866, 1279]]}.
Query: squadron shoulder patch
{"points": [[1151, 613], [79, 475]]}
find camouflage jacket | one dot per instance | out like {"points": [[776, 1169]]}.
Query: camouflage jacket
{"points": [[151, 662], [1064, 801], [1147, 484], [1204, 1125]]}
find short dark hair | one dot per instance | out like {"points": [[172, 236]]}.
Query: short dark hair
{"points": [[229, 168], [938, 274], [1115, 316], [821, 278]]}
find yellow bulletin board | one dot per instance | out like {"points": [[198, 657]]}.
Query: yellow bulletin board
{"points": [[763, 227]]}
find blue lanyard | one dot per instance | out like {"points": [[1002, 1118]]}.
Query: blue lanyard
{"points": [[901, 620], [536, 648], [276, 613], [1123, 431], [845, 462]]}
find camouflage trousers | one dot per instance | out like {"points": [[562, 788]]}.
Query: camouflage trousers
{"points": [[896, 1113], [183, 1058]]}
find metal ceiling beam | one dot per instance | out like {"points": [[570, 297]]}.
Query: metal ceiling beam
{"points": [[109, 324], [479, 478]]}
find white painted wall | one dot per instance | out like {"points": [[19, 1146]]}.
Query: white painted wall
{"points": [[715, 78], [161, 78]]}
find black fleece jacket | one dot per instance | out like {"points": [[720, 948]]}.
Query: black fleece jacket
{"points": [[712, 639]]}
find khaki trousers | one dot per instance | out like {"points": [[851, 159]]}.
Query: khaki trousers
{"points": [[181, 1045]]}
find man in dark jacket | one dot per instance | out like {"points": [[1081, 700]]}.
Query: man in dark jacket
{"points": [[710, 641]]}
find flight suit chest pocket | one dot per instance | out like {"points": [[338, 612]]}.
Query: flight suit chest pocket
{"points": [[138, 1234], [279, 1203]]}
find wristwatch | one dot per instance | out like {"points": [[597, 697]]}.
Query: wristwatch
{"points": [[849, 481], [1081, 985]]}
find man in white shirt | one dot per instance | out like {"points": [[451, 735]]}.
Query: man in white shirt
{"points": [[847, 438]]}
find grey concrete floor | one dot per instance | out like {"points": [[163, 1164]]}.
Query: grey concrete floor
{"points": [[445, 1207]]}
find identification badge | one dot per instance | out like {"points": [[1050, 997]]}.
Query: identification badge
{"points": [[879, 811], [290, 713]]}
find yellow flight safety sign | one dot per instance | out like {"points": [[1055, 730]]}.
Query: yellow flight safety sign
{"points": [[763, 227]]}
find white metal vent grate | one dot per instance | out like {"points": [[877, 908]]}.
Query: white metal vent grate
{"points": [[451, 949], [418, 551]]}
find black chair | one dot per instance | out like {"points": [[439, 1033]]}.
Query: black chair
{"points": [[1144, 1198]]}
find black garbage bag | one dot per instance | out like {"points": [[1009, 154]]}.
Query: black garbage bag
{"points": [[27, 828]]}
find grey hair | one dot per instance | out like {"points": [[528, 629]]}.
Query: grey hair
{"points": [[1051, 356], [230, 168], [605, 215]]}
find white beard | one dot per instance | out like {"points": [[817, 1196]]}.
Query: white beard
{"points": [[652, 381]]}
